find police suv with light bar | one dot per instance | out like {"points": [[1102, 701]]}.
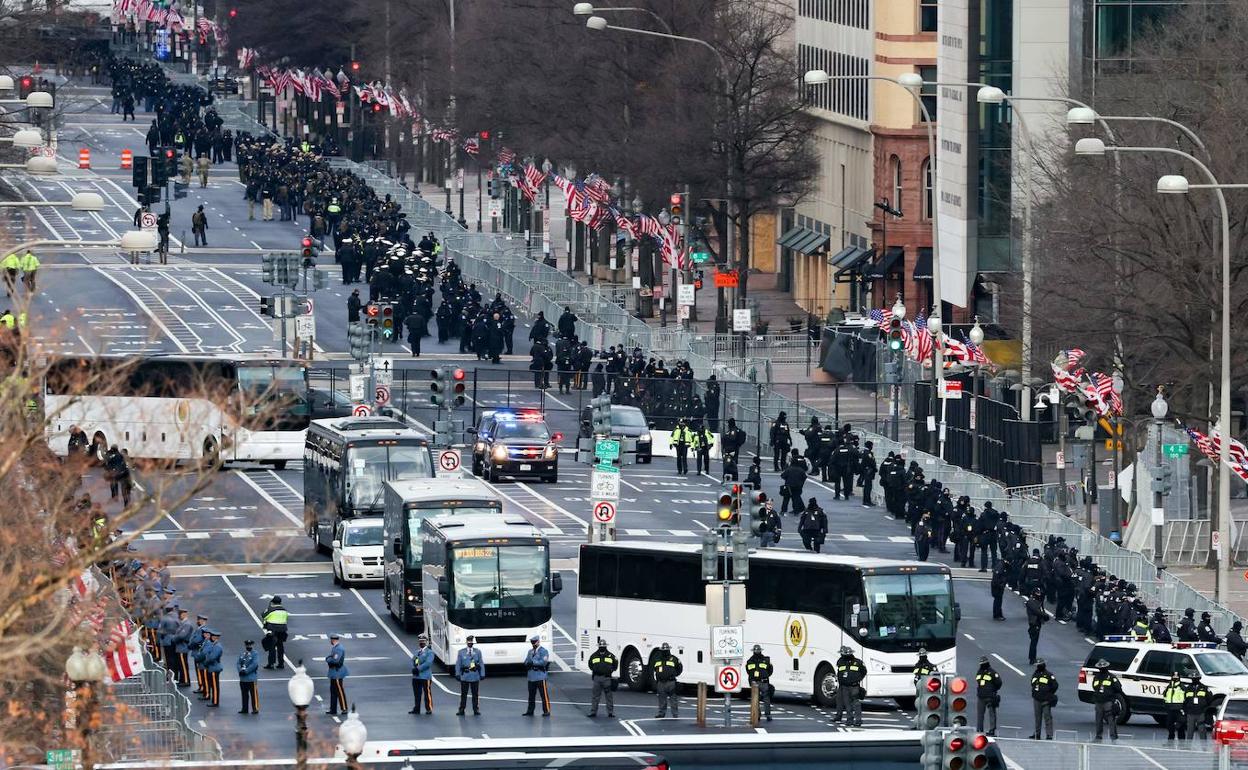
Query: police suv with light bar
{"points": [[517, 444], [1144, 669]]}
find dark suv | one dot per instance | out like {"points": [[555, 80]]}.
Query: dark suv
{"points": [[515, 444], [626, 422]]}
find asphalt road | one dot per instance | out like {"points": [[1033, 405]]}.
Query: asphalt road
{"points": [[249, 518]]}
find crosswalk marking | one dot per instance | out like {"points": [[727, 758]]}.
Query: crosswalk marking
{"points": [[900, 539], [236, 534], [856, 538], [638, 532]]}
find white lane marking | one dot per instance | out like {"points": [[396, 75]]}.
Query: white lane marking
{"points": [[553, 504], [251, 612], [682, 532], [700, 524], [390, 632], [269, 498], [968, 636], [856, 538], [633, 487], [1150, 760], [1008, 665]]}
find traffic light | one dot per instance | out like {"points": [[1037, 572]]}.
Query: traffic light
{"points": [[676, 205], [138, 174], [25, 86], [895, 341], [372, 316], [954, 751], [282, 274], [492, 186], [233, 13], [171, 162], [458, 386], [268, 268], [892, 372], [387, 322], [355, 66], [957, 703], [359, 336], [484, 136], [1163, 478], [933, 748], [160, 170], [710, 556], [758, 522], [266, 306], [740, 555], [305, 250], [600, 415], [930, 702], [437, 387], [727, 512], [977, 751]]}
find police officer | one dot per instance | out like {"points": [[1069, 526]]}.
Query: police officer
{"points": [[275, 619], [1037, 616], [1105, 690], [758, 670], [998, 590], [867, 469], [248, 664], [703, 440], [1196, 702], [182, 644], [469, 670], [422, 676], [923, 666], [849, 675], [1204, 630], [167, 631], [781, 440], [1235, 644], [664, 671], [813, 526], [1158, 630], [1174, 697], [537, 664], [336, 660], [212, 667], [842, 462], [682, 437], [1187, 627], [1043, 699], [987, 696], [602, 665], [194, 645]]}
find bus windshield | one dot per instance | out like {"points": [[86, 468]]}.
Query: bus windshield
{"points": [[417, 514], [278, 393], [499, 586], [913, 606], [369, 467]]}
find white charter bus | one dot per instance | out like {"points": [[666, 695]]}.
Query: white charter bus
{"points": [[801, 607], [242, 407], [488, 576]]}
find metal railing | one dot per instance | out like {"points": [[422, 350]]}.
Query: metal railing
{"points": [[498, 263], [1077, 755]]}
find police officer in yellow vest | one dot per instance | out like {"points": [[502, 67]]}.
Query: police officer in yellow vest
{"points": [[1173, 696], [10, 264], [30, 265], [703, 440], [1196, 703], [8, 320], [758, 670], [1140, 630], [1106, 689], [602, 665], [682, 437], [305, 145], [333, 212]]}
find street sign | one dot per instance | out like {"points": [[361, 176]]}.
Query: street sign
{"points": [[727, 679], [383, 364], [148, 221], [701, 256], [742, 319], [1216, 542], [61, 759], [604, 485], [305, 327], [448, 460], [727, 642], [496, 208], [382, 396], [682, 313], [307, 306], [383, 378], [686, 294], [604, 511], [607, 449], [727, 280], [361, 410], [1061, 460], [951, 389], [358, 384], [1174, 450]]}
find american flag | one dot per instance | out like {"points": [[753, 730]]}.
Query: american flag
{"points": [[506, 156], [954, 349], [881, 317], [472, 146], [597, 188], [977, 353], [672, 252], [648, 225], [1073, 357], [1211, 447], [125, 652], [625, 224], [205, 25], [1105, 389], [1065, 380], [534, 176], [442, 135]]}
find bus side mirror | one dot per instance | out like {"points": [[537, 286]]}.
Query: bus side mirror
{"points": [[398, 547], [556, 584], [864, 618], [444, 587], [957, 612], [336, 544]]}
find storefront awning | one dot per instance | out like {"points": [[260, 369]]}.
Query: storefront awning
{"points": [[791, 236], [923, 265], [842, 257], [890, 264], [813, 243], [856, 265]]}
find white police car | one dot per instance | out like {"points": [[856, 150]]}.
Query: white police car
{"points": [[1144, 669]]}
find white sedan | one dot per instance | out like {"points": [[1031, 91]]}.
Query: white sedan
{"points": [[358, 550]]}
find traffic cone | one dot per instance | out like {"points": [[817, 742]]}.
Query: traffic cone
{"points": [[84, 158], [127, 159]]}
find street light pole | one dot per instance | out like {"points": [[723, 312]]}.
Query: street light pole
{"points": [[1172, 184], [1159, 409], [977, 339], [300, 688]]}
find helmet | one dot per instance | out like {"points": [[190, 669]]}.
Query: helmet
{"points": [[846, 650], [1040, 663], [922, 651], [983, 660]]}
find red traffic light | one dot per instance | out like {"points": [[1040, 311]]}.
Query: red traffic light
{"points": [[233, 13], [355, 66], [957, 686], [307, 242], [979, 742], [27, 81], [484, 135], [675, 199], [168, 152], [933, 684], [372, 310], [933, 702], [376, 107], [458, 374], [697, 283], [956, 744], [387, 311]]}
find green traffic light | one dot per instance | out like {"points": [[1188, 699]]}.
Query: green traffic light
{"points": [[894, 344]]}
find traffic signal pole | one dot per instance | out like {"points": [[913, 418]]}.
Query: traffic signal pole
{"points": [[727, 585]]}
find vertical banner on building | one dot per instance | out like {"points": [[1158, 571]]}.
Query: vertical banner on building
{"points": [[956, 154]]}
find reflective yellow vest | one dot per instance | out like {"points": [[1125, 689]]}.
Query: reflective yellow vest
{"points": [[11, 262], [29, 262]]}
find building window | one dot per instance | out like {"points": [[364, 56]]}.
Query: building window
{"points": [[927, 15], [928, 92], [927, 188], [847, 96], [897, 184]]}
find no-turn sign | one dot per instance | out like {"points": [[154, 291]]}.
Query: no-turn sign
{"points": [[383, 395], [727, 679], [361, 410], [147, 220], [448, 460], [604, 511]]}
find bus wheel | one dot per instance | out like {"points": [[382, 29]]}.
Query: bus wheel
{"points": [[211, 453], [825, 686], [633, 671], [279, 465]]}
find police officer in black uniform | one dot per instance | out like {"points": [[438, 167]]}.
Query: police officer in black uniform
{"points": [[758, 670], [987, 696], [602, 665], [1037, 616], [1043, 699], [849, 675], [1196, 703], [1106, 689]]}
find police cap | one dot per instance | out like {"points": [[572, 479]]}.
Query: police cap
{"points": [[333, 637], [1041, 663], [922, 651], [846, 650], [422, 638], [665, 647], [1102, 664], [250, 642], [983, 660], [758, 648]]}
